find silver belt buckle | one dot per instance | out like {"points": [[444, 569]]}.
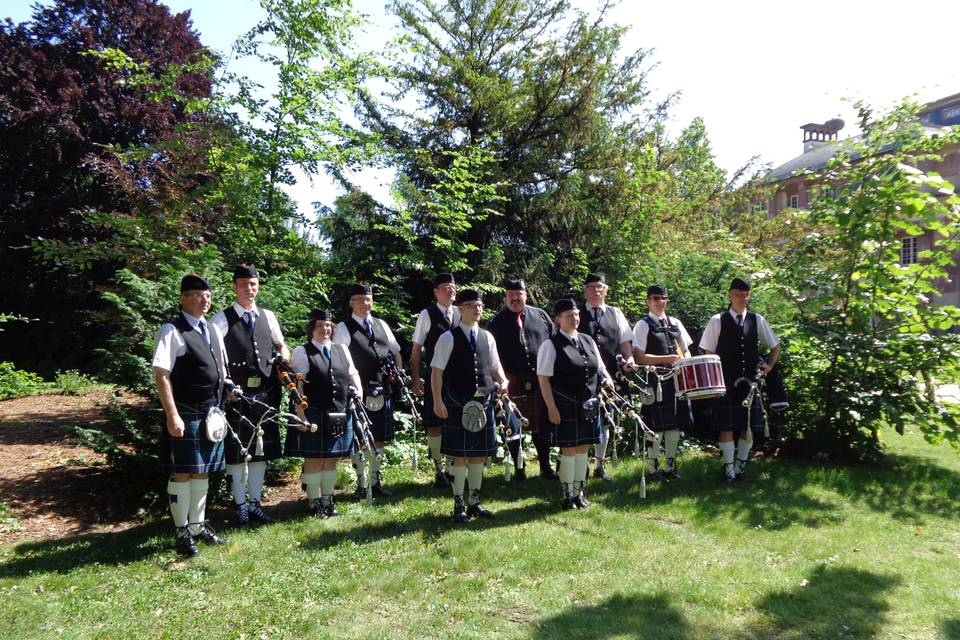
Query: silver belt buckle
{"points": [[253, 383]]}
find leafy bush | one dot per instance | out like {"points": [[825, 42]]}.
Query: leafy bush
{"points": [[15, 383], [74, 383]]}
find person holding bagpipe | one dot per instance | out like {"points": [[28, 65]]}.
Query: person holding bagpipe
{"points": [[465, 374], [191, 379], [519, 330], [735, 336], [431, 324], [570, 370], [250, 336], [370, 341], [659, 340], [611, 332], [328, 372]]}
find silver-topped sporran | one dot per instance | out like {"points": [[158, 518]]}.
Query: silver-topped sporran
{"points": [[474, 416], [215, 424], [374, 398]]}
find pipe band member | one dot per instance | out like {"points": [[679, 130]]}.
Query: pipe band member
{"points": [[570, 370], [189, 371], [328, 374], [661, 340], [465, 371], [433, 322], [251, 334], [370, 341], [611, 332], [735, 335], [519, 330]]}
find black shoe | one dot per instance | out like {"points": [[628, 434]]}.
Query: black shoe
{"points": [[329, 510], [728, 475], [567, 504], [359, 495], [186, 546], [380, 492], [741, 470], [243, 514], [316, 510], [476, 510], [547, 473], [256, 514], [459, 513], [208, 535], [579, 501], [521, 475], [601, 473], [440, 480]]}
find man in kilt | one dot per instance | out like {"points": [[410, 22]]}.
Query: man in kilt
{"points": [[370, 341], [188, 367], [465, 372], [519, 330], [660, 340], [570, 371], [329, 373], [250, 335], [431, 324], [735, 335]]}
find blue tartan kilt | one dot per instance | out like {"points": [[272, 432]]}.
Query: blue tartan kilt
{"points": [[192, 452], [321, 444], [383, 426], [430, 419], [667, 415], [728, 414], [460, 443], [271, 429], [572, 430]]}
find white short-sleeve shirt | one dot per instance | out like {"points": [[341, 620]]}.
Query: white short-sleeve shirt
{"points": [[708, 342], [642, 329], [169, 344], [626, 335], [547, 355], [485, 340], [423, 322]]}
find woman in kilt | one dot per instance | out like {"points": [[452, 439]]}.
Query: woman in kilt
{"points": [[465, 372], [328, 373], [569, 370]]}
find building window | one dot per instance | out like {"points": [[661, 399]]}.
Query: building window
{"points": [[794, 202], [908, 251], [951, 112], [760, 206]]}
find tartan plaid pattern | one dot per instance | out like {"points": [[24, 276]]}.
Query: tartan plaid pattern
{"points": [[460, 443], [529, 402], [192, 452], [320, 444], [667, 414], [729, 415], [572, 431], [271, 429], [383, 426]]}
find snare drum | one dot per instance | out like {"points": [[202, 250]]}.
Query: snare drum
{"points": [[699, 377]]}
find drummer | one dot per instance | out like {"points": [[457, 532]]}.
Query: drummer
{"points": [[660, 340], [735, 335]]}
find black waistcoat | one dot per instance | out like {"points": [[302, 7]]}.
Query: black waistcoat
{"points": [[367, 352], [606, 333], [575, 370], [326, 383], [468, 371], [438, 326], [660, 340], [196, 377], [248, 354], [518, 350], [739, 351]]}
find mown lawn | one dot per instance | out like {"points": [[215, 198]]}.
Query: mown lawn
{"points": [[800, 551]]}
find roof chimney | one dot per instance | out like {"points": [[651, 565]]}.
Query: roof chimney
{"points": [[815, 135]]}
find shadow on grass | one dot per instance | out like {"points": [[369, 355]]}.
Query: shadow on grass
{"points": [[66, 554], [622, 616], [950, 629], [836, 602]]}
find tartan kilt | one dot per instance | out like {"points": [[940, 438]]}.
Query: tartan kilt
{"points": [[271, 428], [572, 431], [192, 452], [383, 426], [729, 415], [430, 419], [667, 415], [528, 401], [321, 444], [460, 443]]}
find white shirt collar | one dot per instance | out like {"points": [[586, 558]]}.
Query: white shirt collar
{"points": [[320, 345], [734, 314], [193, 321], [569, 336], [602, 307], [656, 317], [444, 309], [240, 310], [466, 329], [360, 320]]}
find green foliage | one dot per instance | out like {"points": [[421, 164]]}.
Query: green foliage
{"points": [[869, 338], [9, 523], [15, 383], [73, 383]]}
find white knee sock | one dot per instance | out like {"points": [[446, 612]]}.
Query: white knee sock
{"points": [[434, 443], [474, 476], [567, 472], [671, 440], [257, 472], [459, 472], [238, 482], [653, 448], [580, 467], [328, 481], [198, 501], [179, 497], [726, 452], [312, 483], [744, 444], [361, 466], [375, 471], [601, 447]]}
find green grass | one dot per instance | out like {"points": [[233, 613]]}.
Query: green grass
{"points": [[800, 551]]}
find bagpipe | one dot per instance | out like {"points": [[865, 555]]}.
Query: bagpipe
{"points": [[267, 413], [613, 408], [510, 424], [769, 388], [398, 377], [363, 435], [289, 379]]}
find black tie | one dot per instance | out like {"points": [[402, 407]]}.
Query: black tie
{"points": [[473, 340], [740, 321], [248, 320], [663, 322]]}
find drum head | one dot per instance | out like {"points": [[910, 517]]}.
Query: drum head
{"points": [[216, 425], [474, 417]]}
